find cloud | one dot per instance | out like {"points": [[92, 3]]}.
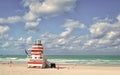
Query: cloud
{"points": [[4, 29], [72, 42], [70, 25], [44, 8], [48, 7], [5, 45], [38, 9], [5, 37], [118, 18], [112, 34], [29, 40], [104, 41], [12, 19], [89, 43], [26, 3], [62, 41], [23, 43], [103, 34], [105, 29], [66, 33], [99, 29], [55, 44], [32, 25], [106, 33], [30, 16]]}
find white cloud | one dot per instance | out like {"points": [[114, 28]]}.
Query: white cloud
{"points": [[70, 25], [106, 33], [103, 41], [89, 43], [12, 19], [99, 28], [38, 9], [77, 41], [5, 45], [44, 8], [113, 34], [105, 30], [3, 36], [61, 41], [29, 40], [23, 43], [21, 39], [32, 25], [66, 33], [48, 7], [118, 18], [30, 16], [55, 42], [26, 3], [3, 29]]}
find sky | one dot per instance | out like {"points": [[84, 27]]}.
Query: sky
{"points": [[65, 27]]}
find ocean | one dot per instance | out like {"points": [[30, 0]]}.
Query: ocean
{"points": [[113, 60]]}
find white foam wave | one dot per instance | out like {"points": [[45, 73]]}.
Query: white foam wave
{"points": [[66, 61], [86, 62], [15, 60]]}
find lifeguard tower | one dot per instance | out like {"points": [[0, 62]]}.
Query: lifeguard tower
{"points": [[36, 58]]}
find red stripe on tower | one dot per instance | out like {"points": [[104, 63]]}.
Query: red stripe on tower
{"points": [[36, 50], [35, 62]]}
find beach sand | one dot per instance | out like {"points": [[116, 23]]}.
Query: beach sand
{"points": [[21, 69]]}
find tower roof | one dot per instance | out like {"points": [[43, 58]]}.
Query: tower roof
{"points": [[37, 41]]}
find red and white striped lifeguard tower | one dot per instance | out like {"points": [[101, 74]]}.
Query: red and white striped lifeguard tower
{"points": [[37, 59]]}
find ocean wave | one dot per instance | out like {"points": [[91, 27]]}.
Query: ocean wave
{"points": [[65, 61], [87, 62], [13, 59]]}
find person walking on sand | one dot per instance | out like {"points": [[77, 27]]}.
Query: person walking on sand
{"points": [[10, 63]]}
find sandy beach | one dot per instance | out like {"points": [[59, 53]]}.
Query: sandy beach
{"points": [[21, 69]]}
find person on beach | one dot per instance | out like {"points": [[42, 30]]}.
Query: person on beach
{"points": [[10, 63]]}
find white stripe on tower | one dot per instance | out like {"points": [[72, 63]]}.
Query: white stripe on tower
{"points": [[37, 46], [35, 52], [35, 55]]}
